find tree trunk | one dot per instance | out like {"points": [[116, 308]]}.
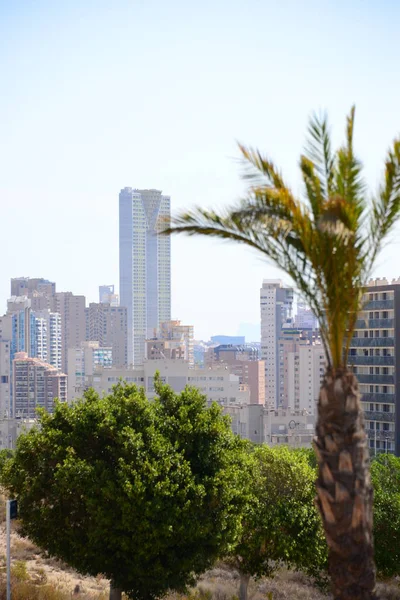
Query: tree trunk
{"points": [[344, 491], [115, 593], [244, 583]]}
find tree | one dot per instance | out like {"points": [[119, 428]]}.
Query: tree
{"points": [[147, 493], [281, 523], [327, 243], [385, 474]]}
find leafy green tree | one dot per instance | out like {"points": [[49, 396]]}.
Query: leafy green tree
{"points": [[385, 474], [147, 493], [281, 524], [327, 242]]}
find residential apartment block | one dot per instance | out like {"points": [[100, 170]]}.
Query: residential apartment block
{"points": [[35, 385], [108, 325], [375, 356], [276, 302]]}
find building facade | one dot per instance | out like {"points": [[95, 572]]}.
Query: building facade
{"points": [[48, 337], [71, 309], [83, 360], [375, 357], [35, 385], [144, 265], [108, 325], [276, 302]]}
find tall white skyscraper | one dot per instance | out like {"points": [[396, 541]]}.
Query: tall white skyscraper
{"points": [[276, 310], [144, 265]]}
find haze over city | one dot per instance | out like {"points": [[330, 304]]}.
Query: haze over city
{"points": [[100, 96]]}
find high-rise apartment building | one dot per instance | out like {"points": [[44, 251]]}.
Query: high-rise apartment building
{"points": [[48, 337], [375, 356], [107, 295], [73, 322], [35, 385], [108, 325], [144, 265], [276, 302]]}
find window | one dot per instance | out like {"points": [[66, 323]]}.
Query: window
{"points": [[385, 426], [385, 407], [4, 379], [371, 406]]}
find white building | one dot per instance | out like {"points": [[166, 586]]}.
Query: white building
{"points": [[273, 427], [306, 368], [217, 383], [144, 265], [11, 428], [48, 337], [82, 362], [276, 310]]}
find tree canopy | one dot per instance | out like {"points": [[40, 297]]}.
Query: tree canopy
{"points": [[147, 493], [281, 524], [385, 474]]}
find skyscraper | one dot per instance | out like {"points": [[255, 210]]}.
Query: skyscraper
{"points": [[276, 310], [144, 265]]}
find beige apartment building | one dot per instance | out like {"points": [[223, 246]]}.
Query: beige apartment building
{"points": [[35, 385]]}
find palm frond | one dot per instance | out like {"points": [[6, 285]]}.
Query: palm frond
{"points": [[386, 205], [322, 244], [319, 152]]}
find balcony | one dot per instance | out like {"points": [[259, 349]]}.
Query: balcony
{"points": [[383, 379], [372, 415], [380, 342], [380, 435], [378, 305], [371, 360], [386, 398], [375, 324]]}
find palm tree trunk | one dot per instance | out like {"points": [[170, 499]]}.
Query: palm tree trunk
{"points": [[115, 593], [344, 491], [244, 584]]}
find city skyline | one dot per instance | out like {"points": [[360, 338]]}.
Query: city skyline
{"points": [[100, 115]]}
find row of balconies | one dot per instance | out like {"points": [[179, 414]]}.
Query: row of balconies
{"points": [[378, 305], [375, 324], [383, 379], [371, 360], [379, 416], [384, 342]]}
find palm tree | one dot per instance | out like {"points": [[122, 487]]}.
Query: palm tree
{"points": [[327, 243]]}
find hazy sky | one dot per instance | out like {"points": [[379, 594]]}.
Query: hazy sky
{"points": [[97, 95]]}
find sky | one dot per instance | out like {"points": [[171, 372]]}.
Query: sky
{"points": [[98, 95]]}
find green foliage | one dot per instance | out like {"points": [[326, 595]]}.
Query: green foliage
{"points": [[147, 493], [281, 524], [385, 474], [326, 241]]}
